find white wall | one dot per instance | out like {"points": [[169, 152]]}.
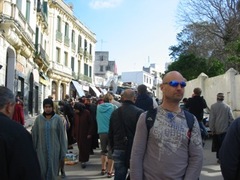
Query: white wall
{"points": [[227, 83]]}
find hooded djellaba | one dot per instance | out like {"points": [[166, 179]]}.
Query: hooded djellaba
{"points": [[48, 135]]}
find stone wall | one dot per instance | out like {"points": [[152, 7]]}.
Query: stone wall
{"points": [[228, 83]]}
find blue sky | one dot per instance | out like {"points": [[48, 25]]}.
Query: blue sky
{"points": [[135, 32]]}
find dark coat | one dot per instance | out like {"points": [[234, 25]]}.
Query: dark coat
{"points": [[130, 114], [83, 126], [17, 155], [144, 102], [229, 154], [196, 105]]}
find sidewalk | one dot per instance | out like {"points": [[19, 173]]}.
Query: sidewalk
{"points": [[210, 170]]}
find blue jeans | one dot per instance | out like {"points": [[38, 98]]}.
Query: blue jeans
{"points": [[119, 165]]}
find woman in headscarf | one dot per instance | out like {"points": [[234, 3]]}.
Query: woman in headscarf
{"points": [[82, 132], [48, 135]]}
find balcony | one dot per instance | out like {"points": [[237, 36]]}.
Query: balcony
{"points": [[73, 45], [58, 36], [75, 75], [86, 54], [80, 50], [85, 78], [41, 57], [90, 57], [41, 14], [66, 41]]}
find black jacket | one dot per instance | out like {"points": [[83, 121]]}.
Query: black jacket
{"points": [[130, 114], [229, 154], [18, 159], [196, 105]]}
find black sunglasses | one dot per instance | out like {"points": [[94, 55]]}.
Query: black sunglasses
{"points": [[176, 83]]}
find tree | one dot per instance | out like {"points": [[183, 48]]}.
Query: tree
{"points": [[191, 66], [223, 15]]}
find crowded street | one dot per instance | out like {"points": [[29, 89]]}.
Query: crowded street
{"points": [[210, 170]]}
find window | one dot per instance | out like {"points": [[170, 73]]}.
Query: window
{"points": [[90, 48], [90, 71], [66, 30], [79, 43], [19, 4], [59, 24], [85, 69], [101, 68], [72, 63], [54, 90], [28, 5], [85, 45], [73, 36], [66, 58], [58, 51]]}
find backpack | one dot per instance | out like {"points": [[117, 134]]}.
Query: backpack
{"points": [[151, 116]]}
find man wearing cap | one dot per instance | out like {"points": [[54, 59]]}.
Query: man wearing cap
{"points": [[220, 118], [48, 136]]}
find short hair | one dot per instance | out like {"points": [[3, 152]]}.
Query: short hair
{"points": [[6, 96], [142, 89], [197, 91], [128, 94], [107, 97], [220, 96]]}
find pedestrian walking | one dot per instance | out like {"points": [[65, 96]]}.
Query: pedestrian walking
{"points": [[18, 114], [196, 105], [18, 158], [220, 118], [143, 100], [121, 133], [83, 132], [170, 150], [104, 112], [48, 135]]}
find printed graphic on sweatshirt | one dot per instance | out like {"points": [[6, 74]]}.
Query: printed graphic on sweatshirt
{"points": [[171, 133]]}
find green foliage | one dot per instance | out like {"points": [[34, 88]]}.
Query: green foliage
{"points": [[191, 66]]}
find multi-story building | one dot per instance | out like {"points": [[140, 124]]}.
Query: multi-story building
{"points": [[72, 52], [19, 72], [44, 50], [149, 76], [105, 71]]}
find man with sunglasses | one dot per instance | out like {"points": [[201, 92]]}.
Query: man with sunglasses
{"points": [[171, 150]]}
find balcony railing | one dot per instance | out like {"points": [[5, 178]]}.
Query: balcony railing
{"points": [[59, 36], [80, 50], [42, 14], [73, 45], [86, 54], [41, 53], [85, 78], [66, 41]]}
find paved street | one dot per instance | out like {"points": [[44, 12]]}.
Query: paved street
{"points": [[210, 170]]}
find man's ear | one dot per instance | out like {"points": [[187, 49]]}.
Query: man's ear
{"points": [[161, 86]]}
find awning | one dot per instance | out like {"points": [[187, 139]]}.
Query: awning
{"points": [[78, 88], [104, 91], [85, 87], [95, 90]]}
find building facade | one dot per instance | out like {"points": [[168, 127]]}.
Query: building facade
{"points": [[44, 50]]}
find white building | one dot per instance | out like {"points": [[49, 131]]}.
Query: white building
{"points": [[149, 76]]}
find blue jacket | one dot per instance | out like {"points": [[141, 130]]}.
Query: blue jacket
{"points": [[104, 112]]}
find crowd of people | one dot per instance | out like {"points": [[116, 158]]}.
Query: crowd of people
{"points": [[170, 148]]}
